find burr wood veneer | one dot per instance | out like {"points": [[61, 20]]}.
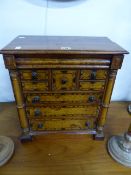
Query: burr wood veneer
{"points": [[62, 84]]}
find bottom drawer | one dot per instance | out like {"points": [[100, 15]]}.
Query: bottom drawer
{"points": [[59, 125]]}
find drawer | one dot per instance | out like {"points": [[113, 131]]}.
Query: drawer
{"points": [[37, 86], [64, 61], [57, 124], [34, 74], [94, 74], [92, 85], [64, 79], [61, 111], [63, 97]]}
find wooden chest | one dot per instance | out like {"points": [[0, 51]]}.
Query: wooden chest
{"points": [[62, 84]]}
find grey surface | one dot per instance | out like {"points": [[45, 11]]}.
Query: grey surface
{"points": [[6, 149], [123, 156]]}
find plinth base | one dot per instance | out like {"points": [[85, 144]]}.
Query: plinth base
{"points": [[117, 152], [6, 149]]}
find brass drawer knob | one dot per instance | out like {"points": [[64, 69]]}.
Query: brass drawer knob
{"points": [[36, 99], [91, 99], [40, 125], [63, 81], [93, 75], [87, 124], [37, 112], [34, 75]]}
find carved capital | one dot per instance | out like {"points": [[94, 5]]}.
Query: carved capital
{"points": [[9, 61], [13, 74], [117, 61]]}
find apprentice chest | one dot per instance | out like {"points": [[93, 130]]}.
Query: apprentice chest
{"points": [[62, 84]]}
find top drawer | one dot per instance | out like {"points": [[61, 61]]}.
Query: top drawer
{"points": [[34, 74], [50, 61]]}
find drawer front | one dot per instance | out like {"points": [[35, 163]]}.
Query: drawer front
{"points": [[37, 86], [61, 111], [60, 125], [64, 79], [63, 97], [94, 74], [95, 85], [34, 74], [64, 61]]}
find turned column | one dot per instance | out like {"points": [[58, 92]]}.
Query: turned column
{"points": [[105, 105], [19, 100], [115, 65]]}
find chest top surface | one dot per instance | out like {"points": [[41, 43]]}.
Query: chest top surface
{"points": [[62, 44]]}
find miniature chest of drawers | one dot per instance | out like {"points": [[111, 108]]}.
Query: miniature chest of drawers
{"points": [[62, 84]]}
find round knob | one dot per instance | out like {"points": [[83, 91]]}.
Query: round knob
{"points": [[37, 112], [63, 81], [91, 99], [93, 75], [34, 75], [87, 124], [36, 99], [40, 125]]}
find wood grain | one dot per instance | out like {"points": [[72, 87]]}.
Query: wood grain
{"points": [[62, 44], [63, 154]]}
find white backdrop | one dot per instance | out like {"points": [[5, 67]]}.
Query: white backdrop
{"points": [[110, 18]]}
